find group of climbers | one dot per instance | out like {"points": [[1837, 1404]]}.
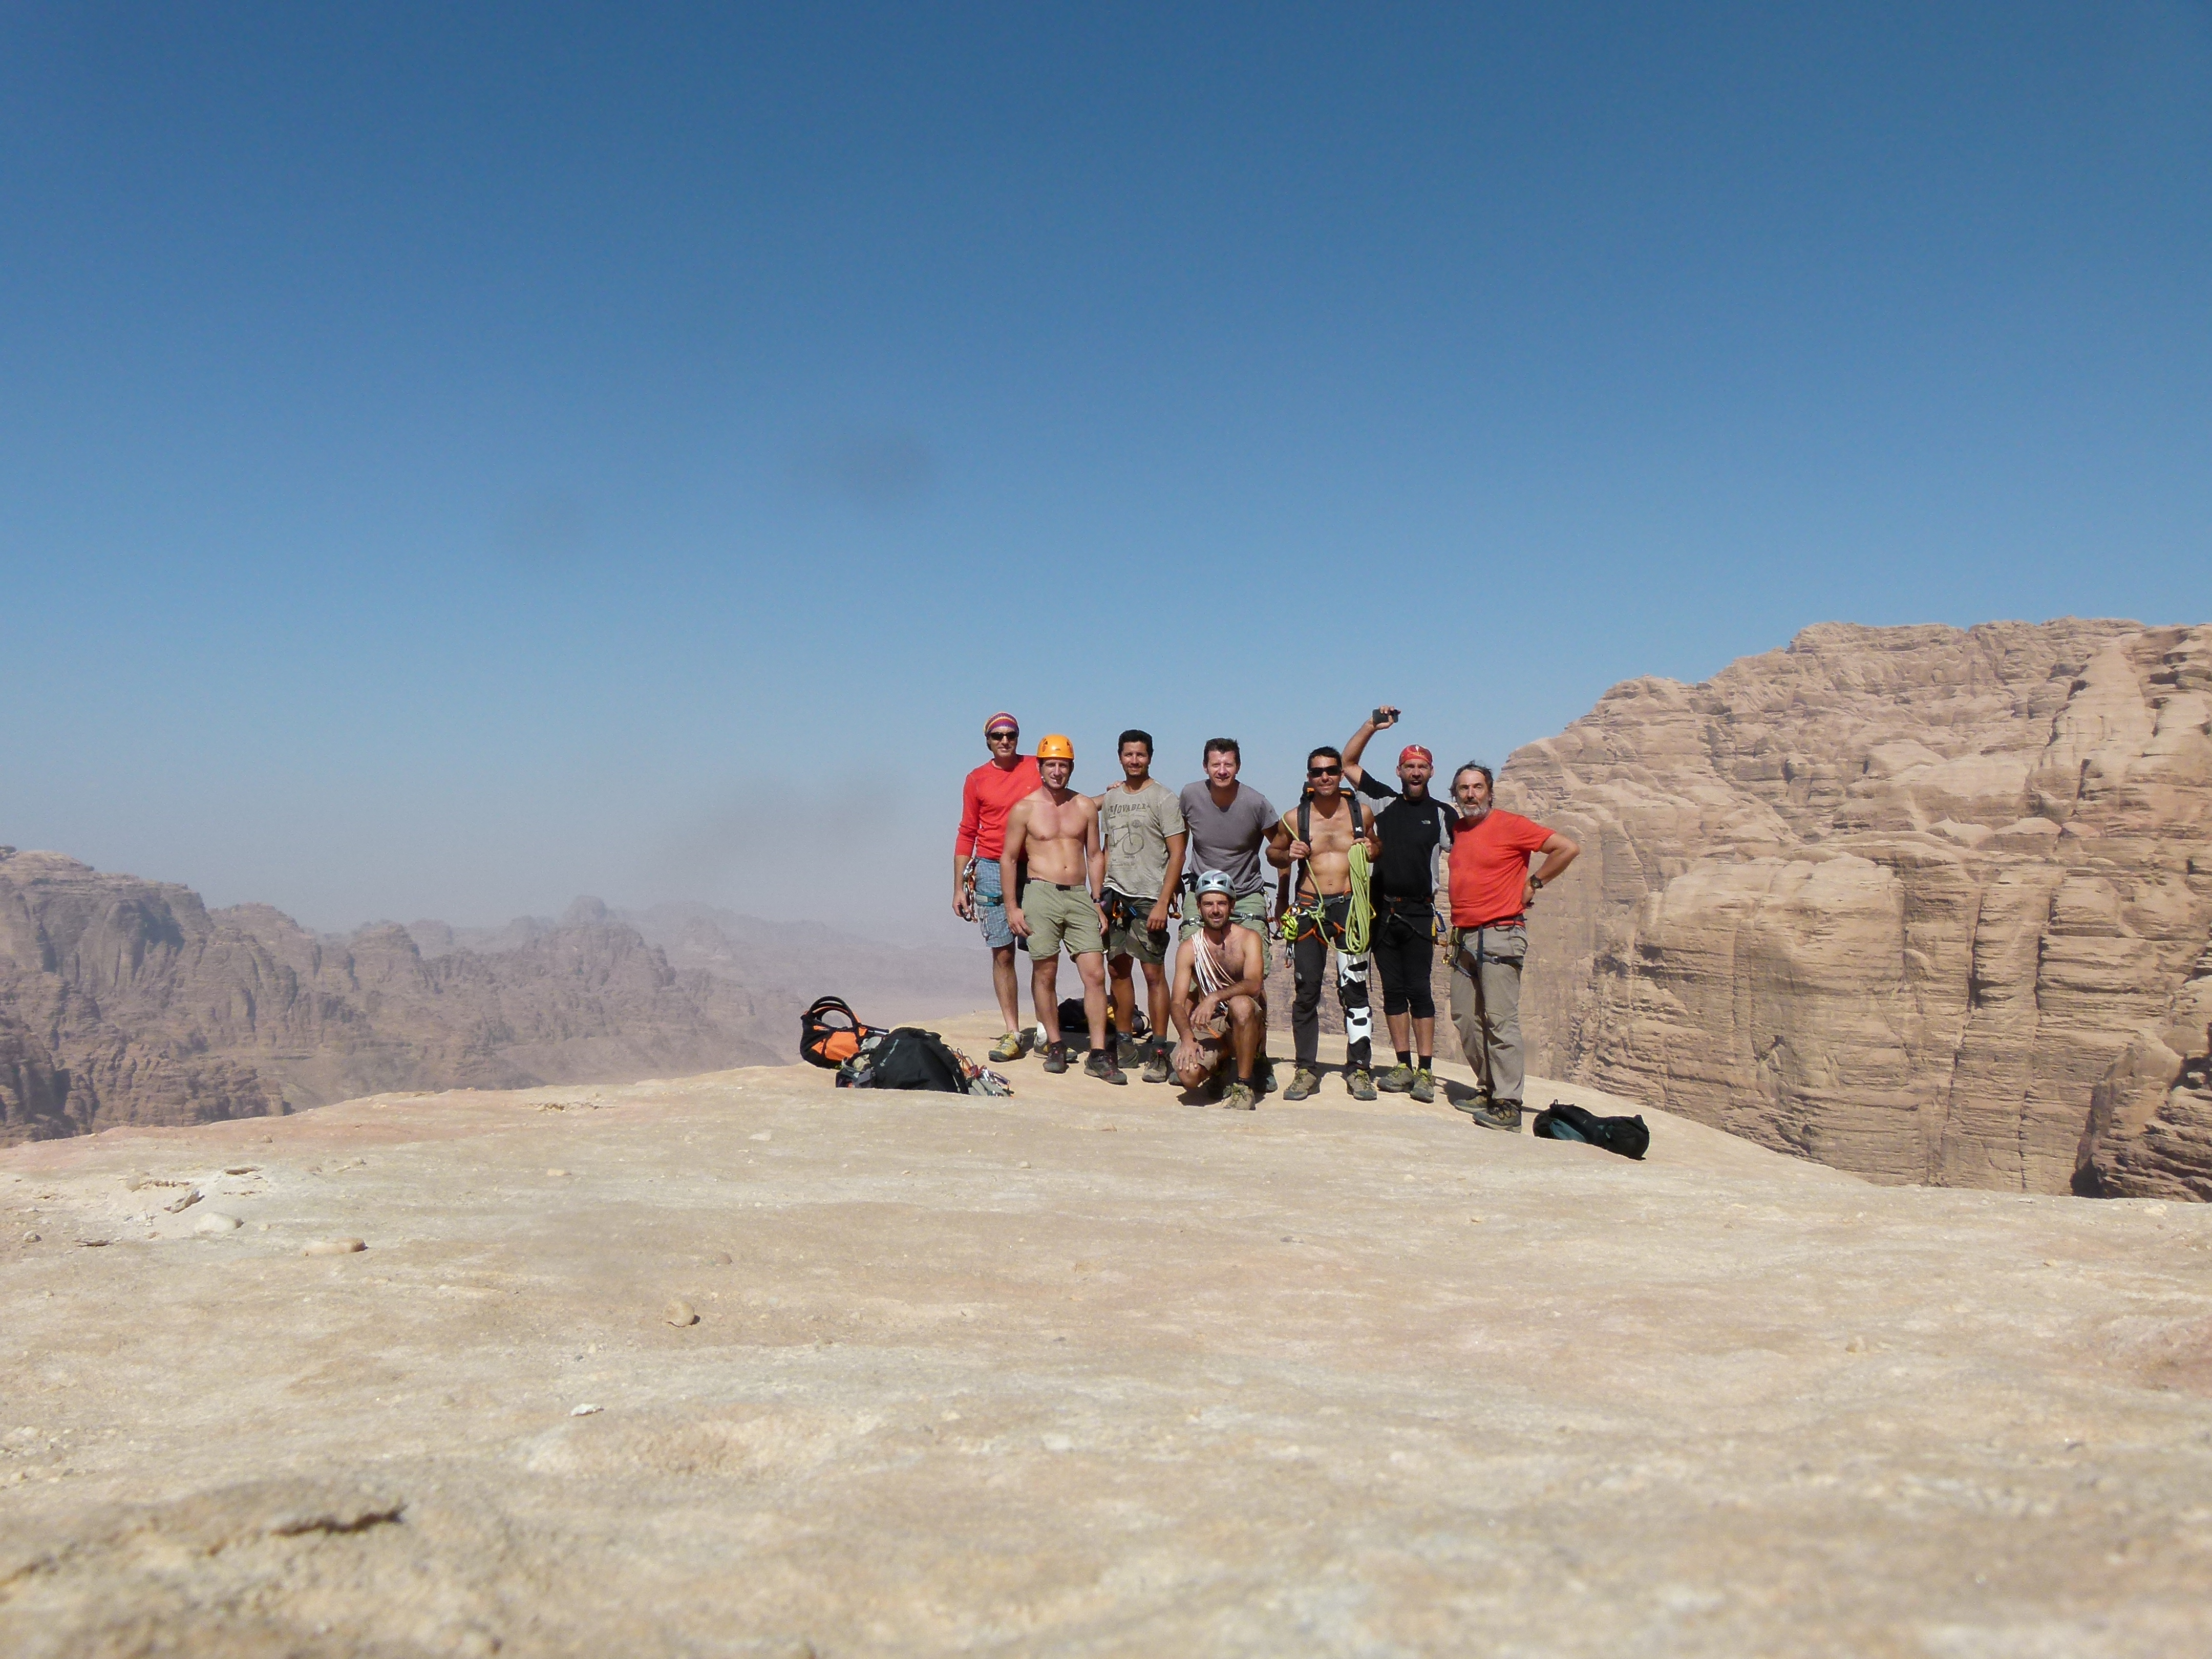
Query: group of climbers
{"points": [[1038, 865]]}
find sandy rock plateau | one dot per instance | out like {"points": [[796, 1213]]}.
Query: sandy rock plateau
{"points": [[1925, 904], [741, 1365]]}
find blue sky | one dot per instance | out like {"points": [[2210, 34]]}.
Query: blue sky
{"points": [[455, 457]]}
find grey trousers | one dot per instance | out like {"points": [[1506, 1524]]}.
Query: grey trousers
{"points": [[1485, 1005]]}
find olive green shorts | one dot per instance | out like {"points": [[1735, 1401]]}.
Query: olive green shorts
{"points": [[1060, 918]]}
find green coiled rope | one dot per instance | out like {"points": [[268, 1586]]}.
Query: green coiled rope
{"points": [[1359, 925]]}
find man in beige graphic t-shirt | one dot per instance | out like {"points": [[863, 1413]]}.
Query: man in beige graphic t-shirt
{"points": [[1142, 823]]}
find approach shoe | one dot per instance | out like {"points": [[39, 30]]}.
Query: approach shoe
{"points": [[1264, 1079], [1398, 1080], [1128, 1052], [1240, 1098], [1055, 1057], [1361, 1083], [1101, 1066], [1156, 1069], [1304, 1086], [1423, 1088], [1498, 1115], [1010, 1047]]}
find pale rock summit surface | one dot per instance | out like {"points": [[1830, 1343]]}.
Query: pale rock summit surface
{"points": [[1927, 904], [745, 1365]]}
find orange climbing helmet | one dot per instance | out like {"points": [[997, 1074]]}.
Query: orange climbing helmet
{"points": [[1053, 746]]}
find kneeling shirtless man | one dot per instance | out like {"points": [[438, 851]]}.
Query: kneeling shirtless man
{"points": [[1219, 973], [1057, 831]]}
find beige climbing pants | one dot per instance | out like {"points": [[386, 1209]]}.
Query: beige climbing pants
{"points": [[1485, 1005]]}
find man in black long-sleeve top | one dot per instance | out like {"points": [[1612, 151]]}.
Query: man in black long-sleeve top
{"points": [[1416, 832]]}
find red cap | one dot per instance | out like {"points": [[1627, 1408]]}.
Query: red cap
{"points": [[1002, 718], [1412, 750]]}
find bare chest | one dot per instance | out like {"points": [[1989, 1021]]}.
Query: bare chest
{"points": [[1332, 835], [1051, 820]]}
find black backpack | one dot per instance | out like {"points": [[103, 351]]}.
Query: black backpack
{"points": [[1560, 1122], [1075, 1021], [906, 1058]]}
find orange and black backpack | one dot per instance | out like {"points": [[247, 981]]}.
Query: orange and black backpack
{"points": [[830, 1033]]}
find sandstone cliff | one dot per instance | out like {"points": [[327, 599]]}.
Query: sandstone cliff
{"points": [[1925, 904], [129, 1001]]}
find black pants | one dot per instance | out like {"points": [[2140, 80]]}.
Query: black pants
{"points": [[1309, 961], [1405, 955]]}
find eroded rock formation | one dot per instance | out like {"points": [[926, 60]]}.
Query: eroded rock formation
{"points": [[1925, 904], [129, 1001]]}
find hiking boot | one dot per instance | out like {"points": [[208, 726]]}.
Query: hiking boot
{"points": [[1303, 1086], [1010, 1047], [1398, 1080], [1128, 1052], [1156, 1069], [1101, 1066], [1361, 1083], [1055, 1057], [1498, 1115], [1240, 1098], [1423, 1087]]}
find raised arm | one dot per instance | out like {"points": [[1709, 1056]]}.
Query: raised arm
{"points": [[1356, 745]]}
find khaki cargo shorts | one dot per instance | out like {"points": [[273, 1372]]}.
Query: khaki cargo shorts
{"points": [[1130, 939], [1060, 918]]}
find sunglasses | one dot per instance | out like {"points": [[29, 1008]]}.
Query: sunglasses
{"points": [[1324, 772], [1002, 733]]}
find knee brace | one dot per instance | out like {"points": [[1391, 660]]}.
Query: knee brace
{"points": [[1352, 992]]}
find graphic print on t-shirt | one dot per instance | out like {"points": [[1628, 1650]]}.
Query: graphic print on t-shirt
{"points": [[1136, 828]]}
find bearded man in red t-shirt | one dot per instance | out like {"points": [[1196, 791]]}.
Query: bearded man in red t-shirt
{"points": [[1491, 889]]}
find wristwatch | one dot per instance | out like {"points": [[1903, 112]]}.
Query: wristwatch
{"points": [[1537, 882]]}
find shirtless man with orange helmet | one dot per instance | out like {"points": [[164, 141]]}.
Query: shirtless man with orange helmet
{"points": [[1056, 830]]}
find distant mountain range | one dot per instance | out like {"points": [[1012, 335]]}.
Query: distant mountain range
{"points": [[128, 1001]]}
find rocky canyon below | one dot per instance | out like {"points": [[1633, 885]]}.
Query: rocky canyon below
{"points": [[125, 1001]]}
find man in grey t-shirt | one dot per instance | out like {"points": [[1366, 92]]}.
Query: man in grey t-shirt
{"points": [[1229, 822], [1145, 837]]}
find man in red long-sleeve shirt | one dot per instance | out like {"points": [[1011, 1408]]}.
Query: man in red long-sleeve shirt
{"points": [[978, 888]]}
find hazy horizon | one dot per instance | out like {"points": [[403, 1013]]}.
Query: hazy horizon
{"points": [[454, 460]]}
